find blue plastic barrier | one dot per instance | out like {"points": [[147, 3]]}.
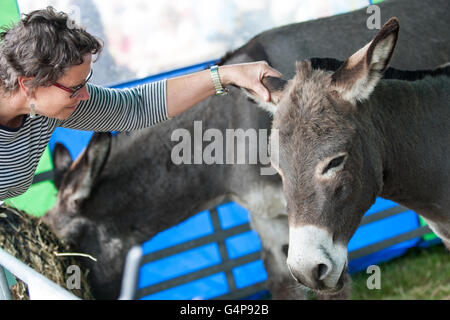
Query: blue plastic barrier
{"points": [[239, 245], [381, 230]]}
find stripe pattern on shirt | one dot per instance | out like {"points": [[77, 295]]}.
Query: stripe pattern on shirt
{"points": [[106, 110]]}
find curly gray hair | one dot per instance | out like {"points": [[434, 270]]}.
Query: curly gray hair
{"points": [[42, 45]]}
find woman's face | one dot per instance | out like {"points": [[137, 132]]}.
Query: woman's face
{"points": [[54, 102]]}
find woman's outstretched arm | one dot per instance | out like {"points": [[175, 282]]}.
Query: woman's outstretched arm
{"points": [[186, 91]]}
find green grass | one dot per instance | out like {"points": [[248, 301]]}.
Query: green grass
{"points": [[419, 274]]}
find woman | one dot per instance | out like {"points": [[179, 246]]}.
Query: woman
{"points": [[45, 66]]}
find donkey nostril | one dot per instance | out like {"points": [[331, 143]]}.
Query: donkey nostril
{"points": [[322, 271]]}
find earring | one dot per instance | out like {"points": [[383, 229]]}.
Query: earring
{"points": [[32, 111]]}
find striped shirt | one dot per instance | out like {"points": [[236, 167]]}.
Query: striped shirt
{"points": [[106, 110]]}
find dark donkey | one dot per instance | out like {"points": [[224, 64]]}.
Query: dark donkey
{"points": [[346, 138], [108, 204]]}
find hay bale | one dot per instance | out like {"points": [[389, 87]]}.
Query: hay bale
{"points": [[33, 243]]}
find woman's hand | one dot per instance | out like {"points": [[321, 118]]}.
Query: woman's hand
{"points": [[249, 76], [186, 91]]}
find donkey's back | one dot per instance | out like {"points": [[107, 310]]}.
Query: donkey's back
{"points": [[337, 37]]}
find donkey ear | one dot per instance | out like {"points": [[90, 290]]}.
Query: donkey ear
{"points": [[356, 79], [62, 161], [82, 176], [276, 87]]}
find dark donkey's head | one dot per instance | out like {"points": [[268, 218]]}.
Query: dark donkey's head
{"points": [[328, 157], [75, 182]]}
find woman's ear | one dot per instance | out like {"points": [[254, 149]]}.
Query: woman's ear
{"points": [[25, 88]]}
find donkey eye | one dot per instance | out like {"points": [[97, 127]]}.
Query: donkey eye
{"points": [[336, 162]]}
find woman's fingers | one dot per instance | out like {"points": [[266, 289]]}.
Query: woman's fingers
{"points": [[271, 72], [262, 91], [267, 71], [249, 76]]}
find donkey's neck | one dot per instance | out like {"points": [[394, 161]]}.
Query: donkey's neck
{"points": [[413, 117]]}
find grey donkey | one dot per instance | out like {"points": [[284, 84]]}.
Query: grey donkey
{"points": [[345, 138]]}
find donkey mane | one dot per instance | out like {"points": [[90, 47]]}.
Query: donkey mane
{"points": [[331, 64]]}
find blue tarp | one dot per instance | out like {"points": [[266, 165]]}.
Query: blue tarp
{"points": [[232, 215]]}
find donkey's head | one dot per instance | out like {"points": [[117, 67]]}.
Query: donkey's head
{"points": [[84, 218], [327, 157], [75, 182]]}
